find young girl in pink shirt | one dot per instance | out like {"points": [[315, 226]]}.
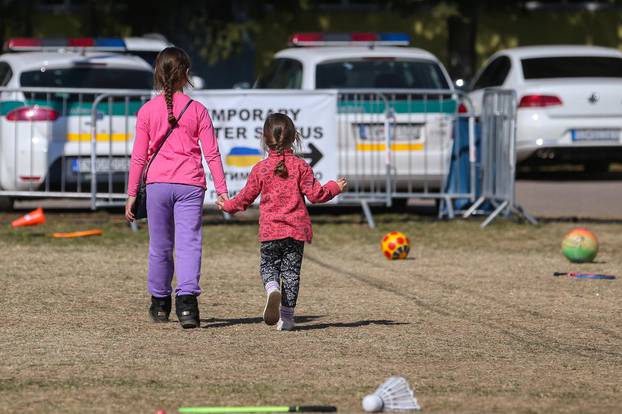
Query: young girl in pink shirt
{"points": [[282, 180], [175, 186]]}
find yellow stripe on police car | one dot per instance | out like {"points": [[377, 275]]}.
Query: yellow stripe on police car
{"points": [[394, 147], [74, 137]]}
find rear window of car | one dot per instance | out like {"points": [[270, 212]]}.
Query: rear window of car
{"points": [[88, 77], [572, 67], [380, 73], [283, 73]]}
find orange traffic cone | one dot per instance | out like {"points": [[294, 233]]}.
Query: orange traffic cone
{"points": [[31, 219]]}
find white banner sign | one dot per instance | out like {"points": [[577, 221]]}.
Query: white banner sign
{"points": [[239, 115]]}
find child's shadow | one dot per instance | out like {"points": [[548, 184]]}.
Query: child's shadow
{"points": [[223, 323], [356, 324]]}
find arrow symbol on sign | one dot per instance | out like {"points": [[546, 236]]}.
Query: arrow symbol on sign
{"points": [[314, 155]]}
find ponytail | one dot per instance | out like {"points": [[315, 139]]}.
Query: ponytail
{"points": [[168, 97], [171, 75], [281, 168], [280, 135]]}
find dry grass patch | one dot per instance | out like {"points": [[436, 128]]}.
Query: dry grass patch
{"points": [[475, 321]]}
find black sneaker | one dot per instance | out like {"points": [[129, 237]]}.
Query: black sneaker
{"points": [[160, 309], [187, 308]]}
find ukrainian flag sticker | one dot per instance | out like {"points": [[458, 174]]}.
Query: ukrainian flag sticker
{"points": [[243, 157]]}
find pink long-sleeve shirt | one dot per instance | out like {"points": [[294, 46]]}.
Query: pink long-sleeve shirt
{"points": [[282, 209], [179, 159]]}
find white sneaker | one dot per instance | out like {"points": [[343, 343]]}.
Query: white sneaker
{"points": [[271, 312], [285, 325]]}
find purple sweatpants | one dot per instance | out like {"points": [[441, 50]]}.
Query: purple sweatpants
{"points": [[174, 218]]}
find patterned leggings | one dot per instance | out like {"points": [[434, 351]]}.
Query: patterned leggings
{"points": [[280, 262]]}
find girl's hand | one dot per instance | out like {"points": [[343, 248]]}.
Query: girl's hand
{"points": [[342, 183], [220, 201], [129, 207]]}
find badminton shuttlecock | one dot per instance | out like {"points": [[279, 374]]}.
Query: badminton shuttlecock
{"points": [[393, 395]]}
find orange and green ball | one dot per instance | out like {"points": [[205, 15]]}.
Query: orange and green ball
{"points": [[580, 245], [395, 245]]}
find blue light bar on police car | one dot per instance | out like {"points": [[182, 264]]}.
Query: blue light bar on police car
{"points": [[53, 44], [109, 42], [394, 37], [349, 39]]}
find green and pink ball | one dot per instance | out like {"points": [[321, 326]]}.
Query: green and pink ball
{"points": [[580, 245]]}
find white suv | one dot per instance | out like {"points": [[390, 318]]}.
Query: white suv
{"points": [[422, 135], [45, 136], [569, 101]]}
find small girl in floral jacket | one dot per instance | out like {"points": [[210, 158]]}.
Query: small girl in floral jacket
{"points": [[283, 180]]}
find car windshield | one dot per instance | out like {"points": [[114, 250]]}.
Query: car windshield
{"points": [[380, 73], [572, 67], [282, 74], [88, 77]]}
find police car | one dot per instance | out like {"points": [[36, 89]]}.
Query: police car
{"points": [[414, 83], [569, 101], [45, 136], [146, 47]]}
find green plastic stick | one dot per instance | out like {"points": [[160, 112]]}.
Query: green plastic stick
{"points": [[260, 409]]}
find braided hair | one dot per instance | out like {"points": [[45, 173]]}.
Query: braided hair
{"points": [[279, 134], [172, 67]]}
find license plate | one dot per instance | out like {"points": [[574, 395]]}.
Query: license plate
{"points": [[595, 134], [102, 164], [375, 132]]}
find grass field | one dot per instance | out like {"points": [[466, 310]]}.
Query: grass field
{"points": [[474, 320]]}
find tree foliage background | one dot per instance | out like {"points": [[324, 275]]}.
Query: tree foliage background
{"points": [[240, 36]]}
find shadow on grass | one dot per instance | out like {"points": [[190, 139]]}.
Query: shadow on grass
{"points": [[576, 219], [223, 323], [356, 324]]}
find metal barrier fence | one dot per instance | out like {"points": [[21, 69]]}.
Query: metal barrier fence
{"points": [[498, 123], [111, 177], [66, 143], [396, 144], [392, 145]]}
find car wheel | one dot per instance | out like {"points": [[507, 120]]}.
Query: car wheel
{"points": [[6, 203]]}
